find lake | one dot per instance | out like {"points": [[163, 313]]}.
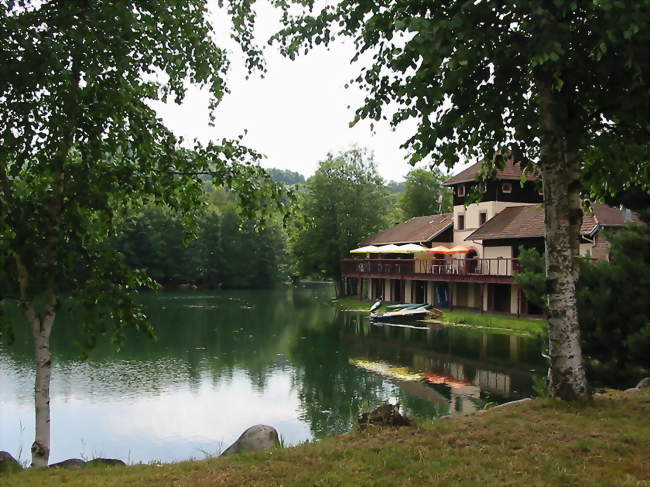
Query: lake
{"points": [[226, 360]]}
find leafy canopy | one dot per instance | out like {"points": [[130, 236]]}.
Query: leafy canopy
{"points": [[81, 145], [344, 202], [424, 193], [469, 72]]}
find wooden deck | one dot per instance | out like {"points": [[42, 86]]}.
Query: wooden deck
{"points": [[493, 270]]}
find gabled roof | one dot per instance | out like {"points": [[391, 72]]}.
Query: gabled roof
{"points": [[417, 229], [528, 222], [511, 172]]}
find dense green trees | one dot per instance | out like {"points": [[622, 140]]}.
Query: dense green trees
{"points": [[424, 193], [81, 146], [226, 251], [613, 307], [342, 203], [553, 84]]}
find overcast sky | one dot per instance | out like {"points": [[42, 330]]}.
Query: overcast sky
{"points": [[296, 113]]}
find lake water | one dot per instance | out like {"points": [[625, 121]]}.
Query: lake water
{"points": [[226, 360]]}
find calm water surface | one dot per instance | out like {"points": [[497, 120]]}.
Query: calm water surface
{"points": [[226, 360]]}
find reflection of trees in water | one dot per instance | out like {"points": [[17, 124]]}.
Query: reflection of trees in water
{"points": [[332, 392], [199, 334]]}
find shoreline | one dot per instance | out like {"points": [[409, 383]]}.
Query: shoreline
{"points": [[605, 441]]}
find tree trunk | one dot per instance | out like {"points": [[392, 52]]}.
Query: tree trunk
{"points": [[41, 329], [567, 378], [566, 374]]}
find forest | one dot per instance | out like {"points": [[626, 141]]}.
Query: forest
{"points": [[225, 249]]}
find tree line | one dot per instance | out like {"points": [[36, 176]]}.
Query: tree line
{"points": [[345, 201]]}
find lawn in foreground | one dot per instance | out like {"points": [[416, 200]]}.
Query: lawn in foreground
{"points": [[538, 443]]}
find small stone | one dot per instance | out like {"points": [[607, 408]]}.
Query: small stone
{"points": [[69, 463], [255, 438], [110, 462], [632, 389], [511, 403], [643, 383], [385, 415], [8, 464], [444, 418]]}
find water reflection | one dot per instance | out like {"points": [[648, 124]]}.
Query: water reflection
{"points": [[225, 360]]}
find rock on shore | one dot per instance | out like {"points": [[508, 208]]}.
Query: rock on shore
{"points": [[258, 437]]}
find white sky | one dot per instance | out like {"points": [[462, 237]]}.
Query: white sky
{"points": [[296, 114]]}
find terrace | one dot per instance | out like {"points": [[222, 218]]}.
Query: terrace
{"points": [[494, 270]]}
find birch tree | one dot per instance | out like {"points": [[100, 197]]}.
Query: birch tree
{"points": [[80, 145], [550, 83]]}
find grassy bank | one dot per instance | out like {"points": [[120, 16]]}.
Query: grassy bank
{"points": [[538, 443], [465, 318]]}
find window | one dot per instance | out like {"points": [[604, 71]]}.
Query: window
{"points": [[461, 190], [482, 218], [506, 187], [461, 222]]}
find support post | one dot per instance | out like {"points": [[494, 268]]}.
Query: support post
{"points": [[482, 297], [451, 295], [360, 288]]}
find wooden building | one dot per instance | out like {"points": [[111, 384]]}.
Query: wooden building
{"points": [[507, 215]]}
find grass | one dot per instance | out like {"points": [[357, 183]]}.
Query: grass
{"points": [[605, 442], [464, 318]]}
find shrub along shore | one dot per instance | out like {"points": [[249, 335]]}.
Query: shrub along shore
{"points": [[464, 318], [542, 442]]}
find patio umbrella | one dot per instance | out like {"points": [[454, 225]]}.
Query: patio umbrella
{"points": [[440, 249], [459, 249], [389, 249], [411, 248], [364, 250]]}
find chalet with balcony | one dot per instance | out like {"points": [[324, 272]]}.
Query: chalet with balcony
{"points": [[467, 258]]}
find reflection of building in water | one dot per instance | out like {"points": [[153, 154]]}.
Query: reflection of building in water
{"points": [[455, 368]]}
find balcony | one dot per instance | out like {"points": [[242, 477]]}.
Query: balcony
{"points": [[497, 269]]}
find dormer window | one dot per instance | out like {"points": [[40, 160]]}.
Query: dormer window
{"points": [[461, 190], [506, 187]]}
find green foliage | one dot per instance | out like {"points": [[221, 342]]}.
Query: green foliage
{"points": [[286, 176], [532, 277], [81, 147], [226, 250], [470, 72], [612, 299], [343, 202], [424, 193]]}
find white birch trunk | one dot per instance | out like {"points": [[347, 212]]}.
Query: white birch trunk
{"points": [[41, 330], [567, 378]]}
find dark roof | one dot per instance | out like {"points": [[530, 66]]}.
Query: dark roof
{"points": [[609, 216], [417, 229], [523, 222], [511, 171]]}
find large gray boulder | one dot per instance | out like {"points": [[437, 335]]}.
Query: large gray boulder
{"points": [[69, 463], [8, 464], [643, 383], [258, 437]]}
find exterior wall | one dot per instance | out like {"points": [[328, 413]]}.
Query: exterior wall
{"points": [[472, 212], [495, 252]]}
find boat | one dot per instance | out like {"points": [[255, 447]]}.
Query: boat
{"points": [[407, 314], [404, 306]]}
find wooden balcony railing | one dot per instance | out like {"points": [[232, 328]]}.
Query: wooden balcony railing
{"points": [[396, 268]]}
